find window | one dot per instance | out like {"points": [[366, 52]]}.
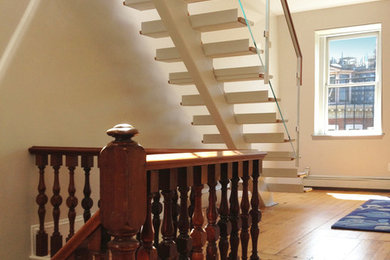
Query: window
{"points": [[348, 81]]}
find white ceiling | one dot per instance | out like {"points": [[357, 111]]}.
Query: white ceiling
{"points": [[305, 5]]}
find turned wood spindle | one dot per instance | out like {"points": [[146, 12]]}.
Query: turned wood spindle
{"points": [[224, 222], [147, 251], [56, 201], [234, 213], [212, 228], [175, 212], [167, 248], [184, 241], [87, 202], [41, 161], [71, 201], [123, 189], [192, 205], [198, 234], [255, 212], [156, 211], [245, 218]]}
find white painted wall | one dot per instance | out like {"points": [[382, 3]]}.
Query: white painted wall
{"points": [[335, 157], [80, 68]]}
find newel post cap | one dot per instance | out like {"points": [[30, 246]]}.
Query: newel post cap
{"points": [[122, 132]]}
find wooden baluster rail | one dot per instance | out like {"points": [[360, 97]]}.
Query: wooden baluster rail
{"points": [[198, 234], [131, 182], [184, 241], [234, 212], [224, 221], [156, 210], [147, 250], [245, 218], [71, 201], [87, 202], [212, 228], [56, 201], [41, 161], [167, 249], [255, 212]]}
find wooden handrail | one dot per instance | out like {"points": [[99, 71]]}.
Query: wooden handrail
{"points": [[176, 160], [158, 158], [293, 34], [96, 150], [84, 232]]}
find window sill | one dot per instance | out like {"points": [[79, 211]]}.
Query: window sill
{"points": [[346, 137]]}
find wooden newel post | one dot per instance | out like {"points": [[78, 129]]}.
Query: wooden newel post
{"points": [[123, 182]]}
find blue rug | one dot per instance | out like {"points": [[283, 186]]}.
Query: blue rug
{"points": [[373, 215]]}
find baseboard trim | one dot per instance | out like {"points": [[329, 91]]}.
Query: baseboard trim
{"points": [[363, 182]]}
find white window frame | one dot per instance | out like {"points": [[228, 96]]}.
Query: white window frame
{"points": [[321, 79]]}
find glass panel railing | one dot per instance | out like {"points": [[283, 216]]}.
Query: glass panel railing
{"points": [[265, 65]]}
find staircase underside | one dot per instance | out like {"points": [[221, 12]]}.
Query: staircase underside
{"points": [[185, 31]]}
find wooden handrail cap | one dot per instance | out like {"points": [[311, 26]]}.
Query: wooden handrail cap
{"points": [[122, 131]]}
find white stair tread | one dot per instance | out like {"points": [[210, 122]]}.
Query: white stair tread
{"points": [[221, 20], [228, 48], [139, 4], [248, 97], [213, 50], [257, 118], [249, 138], [148, 4], [222, 75], [252, 118], [231, 98], [280, 172], [279, 156], [265, 138]]}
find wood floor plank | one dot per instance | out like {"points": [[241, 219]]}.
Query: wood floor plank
{"points": [[299, 227]]}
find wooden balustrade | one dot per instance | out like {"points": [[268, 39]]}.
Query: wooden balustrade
{"points": [[133, 182]]}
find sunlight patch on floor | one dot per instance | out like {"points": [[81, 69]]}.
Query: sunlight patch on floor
{"points": [[362, 197]]}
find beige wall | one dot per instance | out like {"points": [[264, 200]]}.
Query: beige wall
{"points": [[80, 68], [334, 156]]}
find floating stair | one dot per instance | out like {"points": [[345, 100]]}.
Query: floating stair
{"points": [[212, 50], [265, 138], [214, 21], [253, 118], [221, 75], [249, 138], [279, 156], [148, 4], [257, 118], [231, 98]]}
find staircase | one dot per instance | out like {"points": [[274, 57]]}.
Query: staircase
{"points": [[224, 92]]}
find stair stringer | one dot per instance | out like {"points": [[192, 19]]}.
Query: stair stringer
{"points": [[174, 14]]}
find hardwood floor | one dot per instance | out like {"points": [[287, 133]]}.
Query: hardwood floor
{"points": [[299, 228]]}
